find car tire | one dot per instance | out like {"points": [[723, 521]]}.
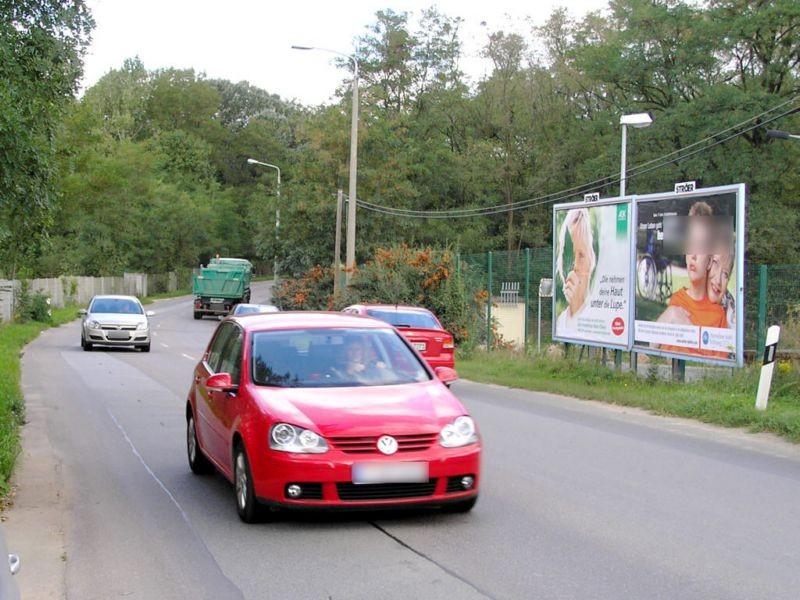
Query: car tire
{"points": [[198, 315], [87, 346], [464, 506], [246, 503], [198, 463], [145, 348]]}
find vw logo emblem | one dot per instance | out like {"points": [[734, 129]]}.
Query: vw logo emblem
{"points": [[387, 444]]}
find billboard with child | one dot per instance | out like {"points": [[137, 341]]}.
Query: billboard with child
{"points": [[592, 273], [689, 274]]}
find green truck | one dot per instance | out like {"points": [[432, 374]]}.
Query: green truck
{"points": [[220, 285]]}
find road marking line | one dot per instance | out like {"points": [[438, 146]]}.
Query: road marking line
{"points": [[164, 345], [189, 357]]}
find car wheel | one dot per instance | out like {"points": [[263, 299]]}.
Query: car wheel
{"points": [[198, 462], [246, 504], [198, 315], [146, 347], [87, 346], [461, 507]]}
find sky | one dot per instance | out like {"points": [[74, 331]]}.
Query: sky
{"points": [[251, 39]]}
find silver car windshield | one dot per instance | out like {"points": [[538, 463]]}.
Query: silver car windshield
{"points": [[334, 358], [116, 306]]}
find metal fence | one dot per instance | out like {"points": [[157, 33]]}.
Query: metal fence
{"points": [[771, 296], [79, 290]]}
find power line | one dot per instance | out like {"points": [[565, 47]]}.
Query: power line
{"points": [[646, 167]]}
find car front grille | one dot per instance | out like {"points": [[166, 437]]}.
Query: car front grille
{"points": [[369, 444], [118, 327], [384, 491]]}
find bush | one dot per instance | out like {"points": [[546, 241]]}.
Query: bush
{"points": [[31, 307], [398, 275]]}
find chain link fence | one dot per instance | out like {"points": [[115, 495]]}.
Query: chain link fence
{"points": [[771, 297]]}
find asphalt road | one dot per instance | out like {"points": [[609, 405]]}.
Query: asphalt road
{"points": [[579, 500]]}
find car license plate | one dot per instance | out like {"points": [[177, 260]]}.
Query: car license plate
{"points": [[382, 472], [118, 335], [421, 346], [218, 300]]}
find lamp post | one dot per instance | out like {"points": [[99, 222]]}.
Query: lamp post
{"points": [[637, 120], [351, 207], [777, 134], [252, 161]]}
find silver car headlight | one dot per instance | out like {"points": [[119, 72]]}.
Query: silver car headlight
{"points": [[141, 326], [290, 438], [92, 324], [460, 432]]}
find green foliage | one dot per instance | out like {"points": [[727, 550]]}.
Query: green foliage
{"points": [[41, 46], [152, 170]]}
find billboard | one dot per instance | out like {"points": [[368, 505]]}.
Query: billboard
{"points": [[689, 274], [592, 273]]}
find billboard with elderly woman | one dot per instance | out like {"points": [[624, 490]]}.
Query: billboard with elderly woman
{"points": [[689, 288], [592, 272]]}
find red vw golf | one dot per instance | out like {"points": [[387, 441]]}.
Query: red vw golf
{"points": [[420, 327], [327, 410]]}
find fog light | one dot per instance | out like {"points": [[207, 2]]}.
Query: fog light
{"points": [[294, 491], [467, 482]]}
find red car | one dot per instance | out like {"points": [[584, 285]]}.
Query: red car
{"points": [[326, 410], [419, 325]]}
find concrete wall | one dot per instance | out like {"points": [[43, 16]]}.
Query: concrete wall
{"points": [[79, 290]]}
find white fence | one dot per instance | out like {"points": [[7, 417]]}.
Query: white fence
{"points": [[79, 290]]}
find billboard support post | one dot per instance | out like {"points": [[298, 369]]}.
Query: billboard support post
{"points": [[678, 370], [762, 305]]}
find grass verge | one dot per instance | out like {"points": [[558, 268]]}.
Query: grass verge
{"points": [[13, 338], [722, 400]]}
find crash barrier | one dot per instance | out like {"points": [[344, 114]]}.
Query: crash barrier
{"points": [[771, 296]]}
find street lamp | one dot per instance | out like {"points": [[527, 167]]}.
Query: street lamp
{"points": [[252, 161], [777, 134], [351, 207], [637, 120]]}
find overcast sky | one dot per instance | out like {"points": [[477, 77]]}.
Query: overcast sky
{"points": [[251, 40]]}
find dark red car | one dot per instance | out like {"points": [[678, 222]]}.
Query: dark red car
{"points": [[326, 410], [419, 325]]}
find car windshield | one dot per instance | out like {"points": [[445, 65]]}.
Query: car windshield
{"points": [[333, 357], [116, 305], [248, 309], [404, 318]]}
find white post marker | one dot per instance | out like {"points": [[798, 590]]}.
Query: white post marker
{"points": [[765, 381]]}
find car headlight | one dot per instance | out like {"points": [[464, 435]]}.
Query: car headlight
{"points": [[141, 326], [92, 324], [458, 433], [289, 438]]}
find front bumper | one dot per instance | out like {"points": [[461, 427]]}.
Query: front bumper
{"points": [[117, 336], [326, 480]]}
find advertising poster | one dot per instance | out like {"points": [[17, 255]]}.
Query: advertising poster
{"points": [[688, 274], [592, 272]]}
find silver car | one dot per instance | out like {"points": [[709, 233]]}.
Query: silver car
{"points": [[115, 321], [250, 309]]}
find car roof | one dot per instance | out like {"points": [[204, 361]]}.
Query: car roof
{"points": [[305, 319], [395, 307], [114, 297]]}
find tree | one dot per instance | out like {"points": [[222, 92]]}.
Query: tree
{"points": [[42, 43]]}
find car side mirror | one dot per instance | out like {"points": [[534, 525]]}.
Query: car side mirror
{"points": [[150, 313], [82, 312], [221, 382], [446, 375]]}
